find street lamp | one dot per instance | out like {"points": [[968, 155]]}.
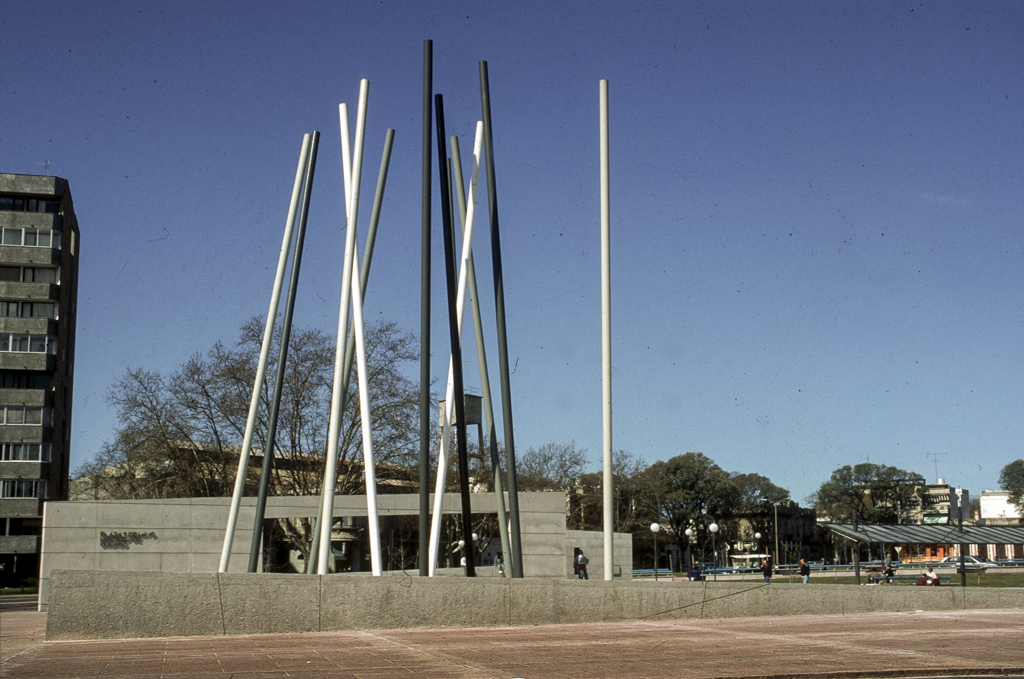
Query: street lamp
{"points": [[714, 553], [655, 527], [688, 557]]}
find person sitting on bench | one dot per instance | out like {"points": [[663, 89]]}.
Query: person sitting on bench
{"points": [[929, 578]]}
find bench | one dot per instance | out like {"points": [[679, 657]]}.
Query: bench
{"points": [[903, 579], [650, 572]]}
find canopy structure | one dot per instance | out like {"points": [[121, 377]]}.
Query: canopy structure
{"points": [[915, 534]]}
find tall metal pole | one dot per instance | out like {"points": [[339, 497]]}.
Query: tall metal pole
{"points": [[453, 333], [499, 308], [261, 368], [606, 336], [425, 188], [282, 360]]}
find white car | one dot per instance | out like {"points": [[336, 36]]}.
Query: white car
{"points": [[969, 561]]}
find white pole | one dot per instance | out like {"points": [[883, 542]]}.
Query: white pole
{"points": [[606, 334], [460, 305], [364, 414], [334, 428], [261, 368]]}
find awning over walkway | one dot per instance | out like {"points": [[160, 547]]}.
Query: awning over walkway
{"points": [[914, 534]]}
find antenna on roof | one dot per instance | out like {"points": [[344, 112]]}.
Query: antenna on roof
{"points": [[46, 164], [935, 457]]}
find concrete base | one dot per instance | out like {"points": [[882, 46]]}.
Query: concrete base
{"points": [[120, 605]]}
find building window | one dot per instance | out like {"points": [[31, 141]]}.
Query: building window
{"points": [[29, 274], [25, 452], [32, 416], [41, 238], [30, 488], [21, 204], [28, 309], [21, 379], [36, 344]]}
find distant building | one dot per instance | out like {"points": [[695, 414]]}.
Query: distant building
{"points": [[940, 503], [995, 505], [38, 291]]}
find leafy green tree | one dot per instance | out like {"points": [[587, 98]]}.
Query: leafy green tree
{"points": [[1011, 479], [693, 492], [878, 493], [757, 495]]}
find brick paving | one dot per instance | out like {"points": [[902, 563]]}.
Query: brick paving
{"points": [[960, 643]]}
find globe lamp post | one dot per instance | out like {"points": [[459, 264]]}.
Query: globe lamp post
{"points": [[655, 527], [714, 553]]}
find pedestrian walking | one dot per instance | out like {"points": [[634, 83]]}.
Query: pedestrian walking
{"points": [[805, 571], [581, 566], [766, 570]]}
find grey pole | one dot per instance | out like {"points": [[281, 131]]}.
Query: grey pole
{"points": [[350, 345], [425, 187], [499, 308], [481, 354], [261, 368], [282, 358], [453, 333]]}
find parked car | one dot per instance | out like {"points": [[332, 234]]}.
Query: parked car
{"points": [[970, 562]]}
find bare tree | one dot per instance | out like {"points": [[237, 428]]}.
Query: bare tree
{"points": [[179, 435]]}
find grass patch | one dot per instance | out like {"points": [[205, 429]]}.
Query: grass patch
{"points": [[18, 590]]}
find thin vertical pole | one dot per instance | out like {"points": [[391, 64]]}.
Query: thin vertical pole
{"points": [[261, 368], [425, 188], [499, 308], [453, 333], [606, 335], [481, 353], [282, 359]]}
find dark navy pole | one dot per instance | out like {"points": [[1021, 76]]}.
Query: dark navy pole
{"points": [[453, 331]]}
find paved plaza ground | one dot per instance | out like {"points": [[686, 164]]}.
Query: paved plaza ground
{"points": [[919, 644]]}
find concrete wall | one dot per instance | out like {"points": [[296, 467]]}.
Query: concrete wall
{"points": [[108, 605], [592, 544], [187, 535]]}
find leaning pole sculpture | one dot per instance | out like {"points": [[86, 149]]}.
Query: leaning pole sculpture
{"points": [[261, 367], [606, 332], [499, 309], [282, 361], [481, 353], [460, 309], [350, 293], [453, 333]]}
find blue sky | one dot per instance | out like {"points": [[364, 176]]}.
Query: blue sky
{"points": [[816, 207]]}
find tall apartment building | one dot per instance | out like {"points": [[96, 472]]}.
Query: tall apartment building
{"points": [[38, 291]]}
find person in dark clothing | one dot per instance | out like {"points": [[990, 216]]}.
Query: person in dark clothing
{"points": [[766, 570], [581, 564], [805, 571]]}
